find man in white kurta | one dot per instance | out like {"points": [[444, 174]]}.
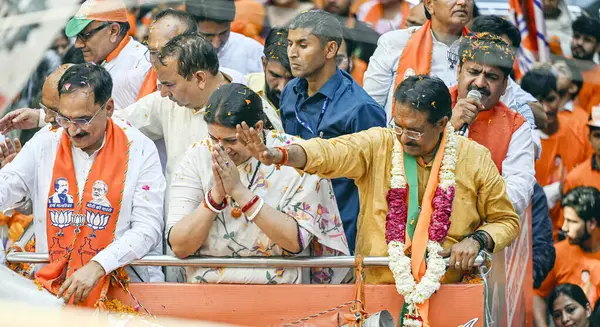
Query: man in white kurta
{"points": [[140, 222]]}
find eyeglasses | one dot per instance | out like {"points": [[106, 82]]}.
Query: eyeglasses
{"points": [[86, 36], [150, 55], [65, 122], [48, 110], [413, 135]]}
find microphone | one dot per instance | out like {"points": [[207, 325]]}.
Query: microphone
{"points": [[475, 95]]}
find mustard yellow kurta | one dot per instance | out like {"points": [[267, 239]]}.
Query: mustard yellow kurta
{"points": [[481, 201]]}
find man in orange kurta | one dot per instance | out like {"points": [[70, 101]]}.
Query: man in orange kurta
{"points": [[585, 42], [491, 123], [577, 257], [563, 143], [569, 82], [588, 172]]}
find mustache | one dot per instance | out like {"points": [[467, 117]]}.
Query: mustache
{"points": [[82, 134], [484, 90], [411, 144]]}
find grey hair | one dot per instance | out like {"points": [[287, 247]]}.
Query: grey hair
{"points": [[322, 24]]}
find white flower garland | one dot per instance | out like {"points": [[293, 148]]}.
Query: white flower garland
{"points": [[399, 263]]}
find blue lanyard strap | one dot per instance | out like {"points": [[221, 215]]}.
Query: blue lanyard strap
{"points": [[305, 124]]}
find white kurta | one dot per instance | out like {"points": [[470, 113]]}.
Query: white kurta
{"points": [[128, 71], [140, 225], [242, 53]]}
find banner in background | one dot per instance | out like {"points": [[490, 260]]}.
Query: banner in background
{"points": [[528, 16], [27, 29], [510, 293]]}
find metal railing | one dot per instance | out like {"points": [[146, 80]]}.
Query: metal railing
{"points": [[246, 262]]}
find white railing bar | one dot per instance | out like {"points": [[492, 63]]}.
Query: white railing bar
{"points": [[246, 262]]}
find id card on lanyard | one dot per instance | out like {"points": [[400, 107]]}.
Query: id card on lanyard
{"points": [[306, 125]]}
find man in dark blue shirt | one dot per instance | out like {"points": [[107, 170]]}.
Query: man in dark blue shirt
{"points": [[323, 101]]}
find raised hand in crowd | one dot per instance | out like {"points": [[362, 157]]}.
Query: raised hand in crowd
{"points": [[19, 119], [9, 151], [249, 137]]}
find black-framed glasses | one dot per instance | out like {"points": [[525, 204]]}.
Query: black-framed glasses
{"points": [[86, 36], [413, 135], [48, 110], [64, 122]]}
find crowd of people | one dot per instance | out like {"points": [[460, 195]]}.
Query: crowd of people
{"points": [[325, 128]]}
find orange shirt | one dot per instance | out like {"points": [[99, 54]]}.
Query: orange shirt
{"points": [[582, 175], [578, 114], [571, 262], [493, 128], [561, 152], [589, 95]]}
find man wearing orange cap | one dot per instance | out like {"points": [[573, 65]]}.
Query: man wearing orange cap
{"points": [[100, 28]]}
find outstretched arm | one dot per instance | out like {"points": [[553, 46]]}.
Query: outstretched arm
{"points": [[345, 156]]}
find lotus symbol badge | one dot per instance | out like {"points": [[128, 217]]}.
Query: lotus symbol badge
{"points": [[96, 222], [78, 221], [61, 219]]}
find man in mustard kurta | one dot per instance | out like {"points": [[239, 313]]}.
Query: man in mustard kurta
{"points": [[482, 216]]}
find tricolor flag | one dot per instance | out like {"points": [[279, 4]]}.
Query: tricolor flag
{"points": [[528, 16]]}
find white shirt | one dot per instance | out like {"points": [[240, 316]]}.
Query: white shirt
{"points": [[242, 53], [128, 71], [518, 168], [140, 225], [383, 25], [383, 66]]}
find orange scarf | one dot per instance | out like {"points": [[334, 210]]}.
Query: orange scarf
{"points": [[115, 53], [493, 128], [418, 244], [376, 13], [417, 54], [76, 230], [149, 85]]}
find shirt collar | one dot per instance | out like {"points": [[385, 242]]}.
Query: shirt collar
{"points": [[85, 154], [453, 46], [569, 106], [542, 135], [328, 89], [115, 53]]}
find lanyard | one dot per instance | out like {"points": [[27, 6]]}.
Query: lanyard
{"points": [[305, 124]]}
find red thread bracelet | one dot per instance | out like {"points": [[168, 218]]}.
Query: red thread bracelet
{"points": [[216, 205], [250, 203], [284, 157]]}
